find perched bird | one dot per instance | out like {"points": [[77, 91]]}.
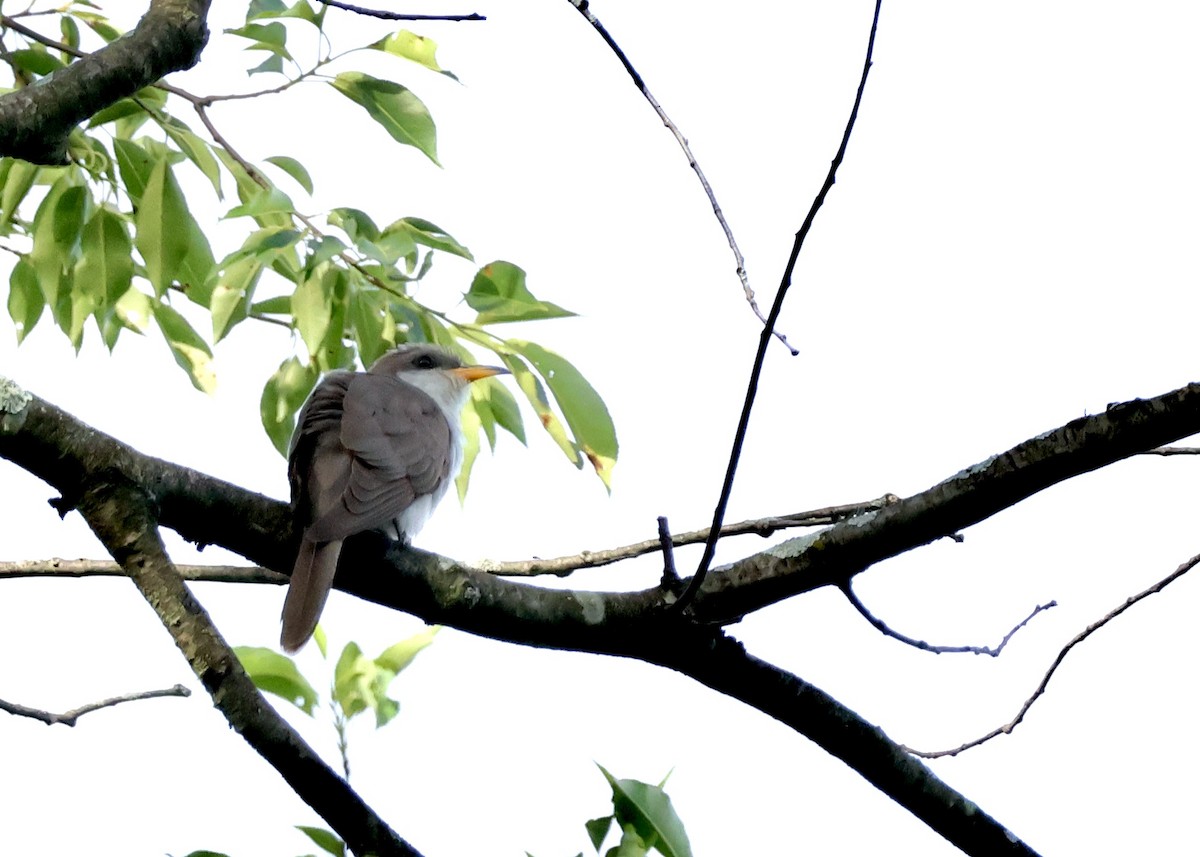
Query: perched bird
{"points": [[372, 450]]}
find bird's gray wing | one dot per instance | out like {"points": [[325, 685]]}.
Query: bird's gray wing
{"points": [[397, 443], [318, 465]]}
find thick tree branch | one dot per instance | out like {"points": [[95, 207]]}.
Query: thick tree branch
{"points": [[119, 515], [57, 448], [36, 121], [834, 555], [638, 625]]}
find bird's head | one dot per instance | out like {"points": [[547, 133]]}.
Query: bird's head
{"points": [[435, 370]]}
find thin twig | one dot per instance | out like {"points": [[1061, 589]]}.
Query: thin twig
{"points": [[561, 566], [1075, 641], [8, 23], [1172, 450], [107, 568], [883, 628], [582, 7], [400, 16], [68, 718], [710, 546], [564, 565]]}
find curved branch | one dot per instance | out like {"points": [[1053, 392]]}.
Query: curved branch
{"points": [[1008, 727], [36, 121], [885, 629]]}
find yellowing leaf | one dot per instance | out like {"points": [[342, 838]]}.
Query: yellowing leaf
{"points": [[189, 350]]}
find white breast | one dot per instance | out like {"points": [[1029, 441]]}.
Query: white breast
{"points": [[450, 393]]}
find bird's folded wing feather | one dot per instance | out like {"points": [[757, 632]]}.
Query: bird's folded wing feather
{"points": [[313, 471], [395, 445]]}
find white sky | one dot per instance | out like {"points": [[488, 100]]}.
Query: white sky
{"points": [[1010, 244]]}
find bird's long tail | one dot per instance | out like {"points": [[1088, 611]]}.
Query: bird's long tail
{"points": [[312, 578]]}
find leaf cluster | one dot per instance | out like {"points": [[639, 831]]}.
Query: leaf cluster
{"points": [[111, 241], [358, 683]]}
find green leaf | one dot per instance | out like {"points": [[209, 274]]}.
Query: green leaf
{"points": [[584, 410], [320, 640], [231, 295], [282, 397], [472, 422], [25, 299], [36, 60], [503, 407], [498, 293], [419, 49], [648, 810], [398, 656], [274, 673], [356, 224], [164, 227], [372, 326], [70, 32], [430, 235], [151, 97], [196, 274], [136, 167], [18, 179], [360, 683], [272, 64], [312, 307], [264, 245], [135, 310], [100, 26], [190, 351], [266, 37], [92, 155], [535, 393], [276, 9], [597, 830], [265, 9], [57, 228], [325, 840], [278, 305], [394, 107], [105, 270], [198, 152], [631, 844], [267, 201], [293, 168]]}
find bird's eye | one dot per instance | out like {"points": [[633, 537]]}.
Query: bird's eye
{"points": [[424, 362]]}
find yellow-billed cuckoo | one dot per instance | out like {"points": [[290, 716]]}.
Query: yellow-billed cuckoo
{"points": [[372, 450]]}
